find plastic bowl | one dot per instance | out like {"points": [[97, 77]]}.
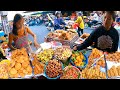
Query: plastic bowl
{"points": [[47, 75], [81, 67]]}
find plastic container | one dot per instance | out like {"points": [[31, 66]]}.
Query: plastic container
{"points": [[2, 33], [86, 61]]}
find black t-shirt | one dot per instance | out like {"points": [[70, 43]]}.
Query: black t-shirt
{"points": [[100, 31]]}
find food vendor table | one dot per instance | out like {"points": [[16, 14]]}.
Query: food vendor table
{"points": [[64, 42]]}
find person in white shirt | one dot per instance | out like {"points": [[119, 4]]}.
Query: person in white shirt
{"points": [[95, 18], [117, 26]]}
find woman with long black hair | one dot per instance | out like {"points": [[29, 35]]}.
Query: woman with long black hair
{"points": [[19, 34]]}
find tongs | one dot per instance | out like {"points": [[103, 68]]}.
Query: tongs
{"points": [[96, 60], [115, 77]]}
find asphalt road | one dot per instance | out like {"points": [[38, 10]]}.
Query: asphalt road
{"points": [[41, 32]]}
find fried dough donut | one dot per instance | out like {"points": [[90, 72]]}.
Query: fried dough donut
{"points": [[17, 66], [25, 71], [25, 64], [26, 59], [12, 63], [13, 71], [22, 75], [16, 75]]}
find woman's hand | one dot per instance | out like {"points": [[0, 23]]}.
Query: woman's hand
{"points": [[75, 48], [36, 45]]}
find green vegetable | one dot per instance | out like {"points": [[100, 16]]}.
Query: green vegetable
{"points": [[79, 75], [73, 59], [84, 59], [67, 63]]}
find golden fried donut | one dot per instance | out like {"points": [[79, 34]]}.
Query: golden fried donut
{"points": [[16, 75], [21, 59], [25, 71], [9, 68], [13, 71], [22, 75], [17, 66], [26, 59], [25, 64], [11, 75], [21, 70], [12, 63]]}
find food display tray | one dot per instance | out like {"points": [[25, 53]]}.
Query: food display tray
{"points": [[109, 65], [64, 42]]}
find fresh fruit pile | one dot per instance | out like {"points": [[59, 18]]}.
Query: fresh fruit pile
{"points": [[38, 66], [20, 65], [78, 58], [53, 68], [113, 57], [93, 73], [70, 72], [62, 53], [45, 55], [114, 71]]}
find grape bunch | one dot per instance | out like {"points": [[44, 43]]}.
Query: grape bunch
{"points": [[105, 42]]}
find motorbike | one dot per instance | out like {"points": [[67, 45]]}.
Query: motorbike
{"points": [[94, 25]]}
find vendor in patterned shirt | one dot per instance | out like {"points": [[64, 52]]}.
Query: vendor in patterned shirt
{"points": [[105, 37], [19, 34]]}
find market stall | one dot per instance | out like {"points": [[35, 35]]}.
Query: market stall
{"points": [[55, 59]]}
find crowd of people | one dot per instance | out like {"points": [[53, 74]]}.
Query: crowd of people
{"points": [[19, 31], [105, 37], [104, 32]]}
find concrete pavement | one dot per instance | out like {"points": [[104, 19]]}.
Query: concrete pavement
{"points": [[41, 31]]}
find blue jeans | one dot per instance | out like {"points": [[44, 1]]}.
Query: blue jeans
{"points": [[58, 27], [94, 22]]}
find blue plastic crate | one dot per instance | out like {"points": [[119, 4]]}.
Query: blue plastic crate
{"points": [[2, 33]]}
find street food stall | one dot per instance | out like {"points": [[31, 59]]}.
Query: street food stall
{"points": [[55, 59]]}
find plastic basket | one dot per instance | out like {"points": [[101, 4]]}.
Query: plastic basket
{"points": [[81, 67], [47, 75]]}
